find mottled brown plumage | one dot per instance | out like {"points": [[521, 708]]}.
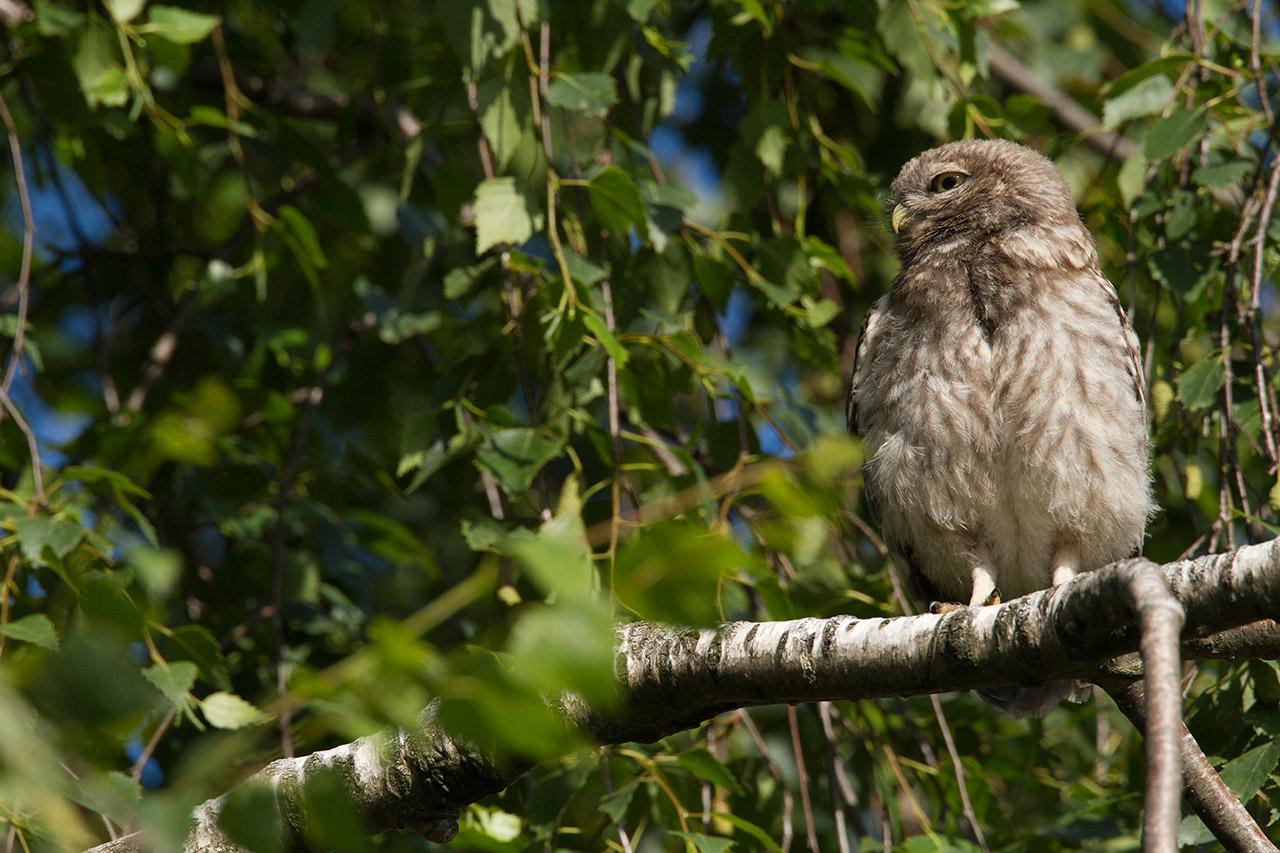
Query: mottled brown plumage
{"points": [[998, 388]]}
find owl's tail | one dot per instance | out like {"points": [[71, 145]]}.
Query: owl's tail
{"points": [[1030, 701]]}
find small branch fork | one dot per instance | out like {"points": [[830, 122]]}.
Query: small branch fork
{"points": [[670, 679]]}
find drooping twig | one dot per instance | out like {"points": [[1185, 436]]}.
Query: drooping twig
{"points": [[28, 243], [24, 299], [788, 801], [961, 784], [802, 775], [843, 797]]}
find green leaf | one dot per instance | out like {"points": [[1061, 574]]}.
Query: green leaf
{"points": [[671, 573], [181, 26], [639, 9], [158, 570], [174, 680], [459, 280], [616, 200], [112, 794], [819, 312], [1172, 133], [125, 11], [715, 278], [766, 130], [786, 269], [1245, 776], [606, 338], [53, 20], [752, 10], [1145, 99], [558, 556], [1170, 66], [505, 213], [95, 59], [481, 31], [91, 474], [505, 116], [554, 649], [332, 822], [614, 804], [588, 92], [761, 838], [250, 816], [1222, 174], [1182, 266], [302, 237], [515, 456], [585, 272], [701, 763], [196, 644], [706, 843], [1130, 178], [229, 711], [36, 629], [35, 534], [1198, 385]]}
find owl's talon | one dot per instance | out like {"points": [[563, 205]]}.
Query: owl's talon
{"points": [[992, 599], [938, 608]]}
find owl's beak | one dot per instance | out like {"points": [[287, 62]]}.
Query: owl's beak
{"points": [[899, 218]]}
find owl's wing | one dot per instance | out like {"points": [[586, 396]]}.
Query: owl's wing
{"points": [[862, 355], [1133, 350]]}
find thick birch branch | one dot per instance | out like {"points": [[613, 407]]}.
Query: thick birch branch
{"points": [[671, 679]]}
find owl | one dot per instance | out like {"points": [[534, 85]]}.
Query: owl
{"points": [[998, 389]]}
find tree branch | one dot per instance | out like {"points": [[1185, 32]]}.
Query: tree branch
{"points": [[1212, 800], [671, 679]]}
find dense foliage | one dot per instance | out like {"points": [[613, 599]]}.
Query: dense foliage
{"points": [[376, 352]]}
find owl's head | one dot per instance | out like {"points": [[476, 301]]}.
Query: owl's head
{"points": [[974, 190]]}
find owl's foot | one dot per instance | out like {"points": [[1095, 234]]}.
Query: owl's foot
{"points": [[940, 607]]}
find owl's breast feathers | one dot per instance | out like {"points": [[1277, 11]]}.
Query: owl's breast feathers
{"points": [[999, 393]]}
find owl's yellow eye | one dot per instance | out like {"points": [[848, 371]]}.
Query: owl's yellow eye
{"points": [[945, 181]]}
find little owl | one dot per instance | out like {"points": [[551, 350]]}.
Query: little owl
{"points": [[998, 389]]}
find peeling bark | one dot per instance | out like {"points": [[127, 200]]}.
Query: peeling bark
{"points": [[671, 679]]}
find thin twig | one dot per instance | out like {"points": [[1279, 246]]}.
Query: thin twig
{"points": [[843, 797], [143, 757], [33, 447], [965, 803], [615, 439], [24, 299], [788, 802], [797, 751], [28, 243], [9, 572]]}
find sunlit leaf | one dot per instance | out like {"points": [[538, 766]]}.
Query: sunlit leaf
{"points": [[585, 92], [35, 628], [229, 711]]}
